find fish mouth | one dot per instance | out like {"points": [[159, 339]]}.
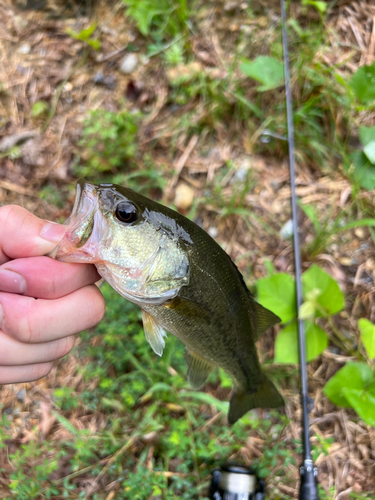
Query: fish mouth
{"points": [[75, 247]]}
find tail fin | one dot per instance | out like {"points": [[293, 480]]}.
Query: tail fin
{"points": [[267, 396]]}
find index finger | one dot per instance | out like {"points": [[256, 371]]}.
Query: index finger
{"points": [[25, 235]]}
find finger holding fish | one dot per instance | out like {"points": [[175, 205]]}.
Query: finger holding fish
{"points": [[35, 321]]}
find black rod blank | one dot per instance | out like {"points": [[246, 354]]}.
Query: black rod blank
{"points": [[308, 486]]}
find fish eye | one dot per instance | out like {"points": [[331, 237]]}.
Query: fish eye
{"points": [[126, 212]]}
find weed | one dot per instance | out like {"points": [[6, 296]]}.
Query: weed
{"points": [[166, 18], [323, 298], [86, 36], [108, 142], [354, 384]]}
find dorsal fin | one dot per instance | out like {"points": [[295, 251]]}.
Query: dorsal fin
{"points": [[198, 369], [264, 318]]}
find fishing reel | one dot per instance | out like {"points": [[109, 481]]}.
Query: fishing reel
{"points": [[234, 482]]}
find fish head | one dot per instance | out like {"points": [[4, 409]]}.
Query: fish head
{"points": [[138, 249]]}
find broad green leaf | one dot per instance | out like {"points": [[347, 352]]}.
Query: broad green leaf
{"points": [[364, 171], [351, 376], [307, 310], [369, 151], [286, 345], [363, 403], [265, 70], [363, 84], [278, 293], [331, 299], [367, 330], [366, 135], [370, 388]]}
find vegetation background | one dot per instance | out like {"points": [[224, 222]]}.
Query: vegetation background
{"points": [[184, 101]]}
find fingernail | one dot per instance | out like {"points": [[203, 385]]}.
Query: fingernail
{"points": [[12, 282], [53, 232]]}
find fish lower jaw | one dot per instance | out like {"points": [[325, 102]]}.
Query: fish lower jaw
{"points": [[68, 253]]}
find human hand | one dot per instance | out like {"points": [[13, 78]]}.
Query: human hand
{"points": [[43, 302]]}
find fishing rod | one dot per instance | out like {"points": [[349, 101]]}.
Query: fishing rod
{"points": [[233, 482], [308, 472]]}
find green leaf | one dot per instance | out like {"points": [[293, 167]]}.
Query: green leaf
{"points": [[370, 388], [364, 171], [367, 330], [320, 6], [351, 376], [367, 138], [143, 13], [39, 108], [286, 345], [363, 403], [206, 398], [363, 83], [366, 135], [278, 293], [369, 151], [95, 44], [85, 34], [307, 310], [66, 423], [266, 70], [312, 213], [331, 299]]}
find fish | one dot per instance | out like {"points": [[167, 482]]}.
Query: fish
{"points": [[182, 280]]}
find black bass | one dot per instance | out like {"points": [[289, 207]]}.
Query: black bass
{"points": [[182, 280]]}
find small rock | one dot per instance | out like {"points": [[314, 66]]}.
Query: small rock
{"points": [[263, 21], [98, 78], [21, 395], [213, 232], [129, 63], [286, 231], [359, 232], [184, 196], [68, 87], [240, 175], [24, 49], [110, 82], [231, 5], [346, 261]]}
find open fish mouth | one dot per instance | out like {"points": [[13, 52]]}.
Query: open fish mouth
{"points": [[73, 247]]}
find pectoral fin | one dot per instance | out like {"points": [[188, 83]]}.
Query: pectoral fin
{"points": [[198, 369], [264, 318], [154, 333]]}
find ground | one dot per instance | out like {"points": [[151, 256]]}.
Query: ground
{"points": [[200, 137]]}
